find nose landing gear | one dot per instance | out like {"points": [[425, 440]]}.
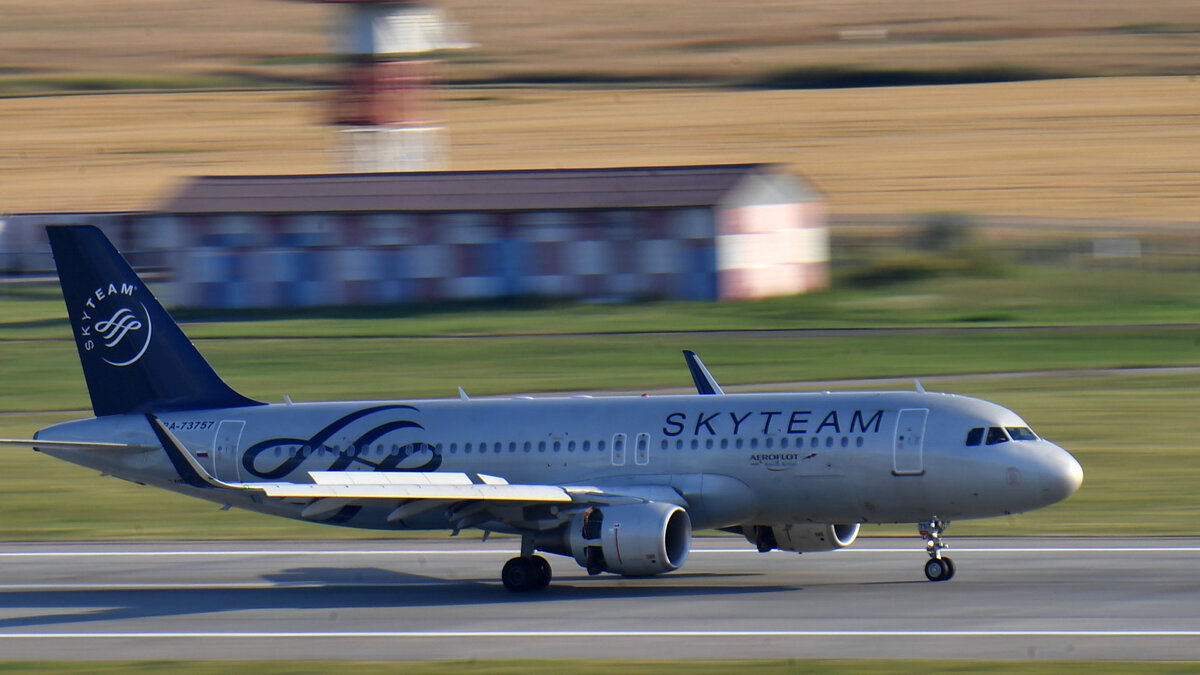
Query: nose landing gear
{"points": [[938, 567]]}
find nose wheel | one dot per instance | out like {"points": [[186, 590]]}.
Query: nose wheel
{"points": [[938, 567]]}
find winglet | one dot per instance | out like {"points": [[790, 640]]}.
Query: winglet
{"points": [[705, 382], [189, 470]]}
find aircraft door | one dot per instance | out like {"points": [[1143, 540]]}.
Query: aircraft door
{"points": [[225, 450], [907, 459]]}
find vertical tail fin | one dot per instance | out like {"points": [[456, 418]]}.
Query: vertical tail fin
{"points": [[135, 358]]}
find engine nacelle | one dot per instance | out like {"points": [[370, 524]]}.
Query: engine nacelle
{"points": [[629, 539], [801, 537]]}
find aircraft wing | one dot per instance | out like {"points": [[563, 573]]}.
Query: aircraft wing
{"points": [[363, 485]]}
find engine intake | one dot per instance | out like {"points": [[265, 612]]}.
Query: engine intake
{"points": [[628, 539], [801, 537]]}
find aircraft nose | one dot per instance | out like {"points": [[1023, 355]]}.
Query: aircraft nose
{"points": [[1061, 475]]}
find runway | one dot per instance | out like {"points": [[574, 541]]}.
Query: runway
{"points": [[429, 599]]}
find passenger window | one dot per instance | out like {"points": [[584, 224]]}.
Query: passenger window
{"points": [[996, 435], [975, 436], [1021, 433]]}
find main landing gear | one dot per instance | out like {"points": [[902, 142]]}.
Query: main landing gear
{"points": [[527, 572], [938, 567]]}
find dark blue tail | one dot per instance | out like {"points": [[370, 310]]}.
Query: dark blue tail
{"points": [[135, 358]]}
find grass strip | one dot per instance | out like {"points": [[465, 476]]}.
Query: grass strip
{"points": [[606, 667]]}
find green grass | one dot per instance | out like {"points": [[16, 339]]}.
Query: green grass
{"points": [[369, 368], [1134, 434], [582, 667], [1024, 296]]}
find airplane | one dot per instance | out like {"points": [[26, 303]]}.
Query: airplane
{"points": [[618, 483]]}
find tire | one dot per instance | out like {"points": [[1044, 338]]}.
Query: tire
{"points": [[544, 573], [936, 569], [520, 574], [949, 565]]}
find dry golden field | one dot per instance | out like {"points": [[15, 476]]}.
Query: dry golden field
{"points": [[1106, 147], [666, 37], [1120, 145]]}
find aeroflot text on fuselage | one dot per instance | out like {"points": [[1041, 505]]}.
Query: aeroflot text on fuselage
{"points": [[795, 422]]}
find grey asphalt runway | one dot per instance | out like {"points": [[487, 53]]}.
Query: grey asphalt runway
{"points": [[427, 599]]}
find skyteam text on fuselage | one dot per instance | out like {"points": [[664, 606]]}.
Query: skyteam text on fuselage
{"points": [[616, 482]]}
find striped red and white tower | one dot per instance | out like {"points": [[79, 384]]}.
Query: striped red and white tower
{"points": [[385, 106]]}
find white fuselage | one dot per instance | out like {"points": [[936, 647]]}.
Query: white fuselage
{"points": [[875, 457]]}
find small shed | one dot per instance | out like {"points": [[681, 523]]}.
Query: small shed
{"points": [[688, 232]]}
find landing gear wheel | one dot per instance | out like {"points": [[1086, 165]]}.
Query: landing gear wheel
{"points": [[520, 574], [939, 569], [949, 564], [544, 573]]}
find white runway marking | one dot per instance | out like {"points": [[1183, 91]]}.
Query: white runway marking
{"points": [[505, 551], [931, 633], [245, 585]]}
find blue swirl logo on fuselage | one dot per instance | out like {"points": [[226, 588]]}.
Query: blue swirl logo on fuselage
{"points": [[254, 457]]}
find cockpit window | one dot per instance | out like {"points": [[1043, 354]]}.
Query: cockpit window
{"points": [[1022, 434], [996, 435], [975, 436]]}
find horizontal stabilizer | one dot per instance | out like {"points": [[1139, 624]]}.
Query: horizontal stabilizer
{"points": [[76, 445]]}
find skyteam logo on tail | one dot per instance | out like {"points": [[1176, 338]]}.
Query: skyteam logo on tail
{"points": [[115, 325]]}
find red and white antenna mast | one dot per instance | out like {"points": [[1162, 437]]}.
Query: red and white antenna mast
{"points": [[386, 105]]}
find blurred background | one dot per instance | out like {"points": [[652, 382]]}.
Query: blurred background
{"points": [[1043, 124], [1018, 181]]}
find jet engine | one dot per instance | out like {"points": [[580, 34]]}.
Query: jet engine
{"points": [[801, 537], [628, 539]]}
